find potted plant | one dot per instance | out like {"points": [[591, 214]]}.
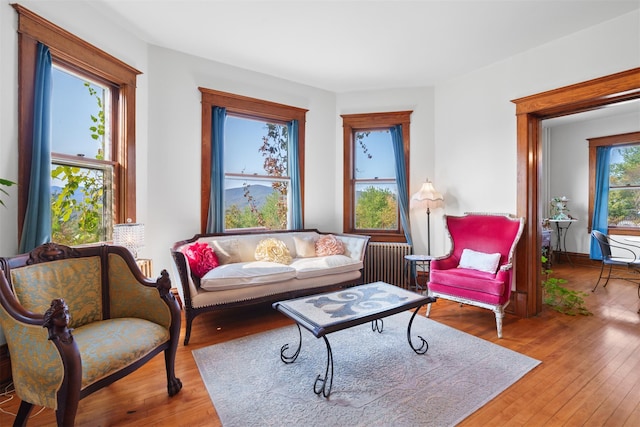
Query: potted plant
{"points": [[559, 298]]}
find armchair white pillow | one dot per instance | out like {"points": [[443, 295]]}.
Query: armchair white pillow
{"points": [[479, 261]]}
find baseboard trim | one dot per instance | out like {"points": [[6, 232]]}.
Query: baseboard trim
{"points": [[574, 258]]}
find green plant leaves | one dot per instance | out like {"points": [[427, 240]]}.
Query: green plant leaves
{"points": [[561, 299]]}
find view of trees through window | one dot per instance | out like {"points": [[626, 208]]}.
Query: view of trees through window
{"points": [[624, 187], [376, 202], [257, 180], [81, 170]]}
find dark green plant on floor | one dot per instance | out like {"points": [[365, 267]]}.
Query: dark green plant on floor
{"points": [[561, 299]]}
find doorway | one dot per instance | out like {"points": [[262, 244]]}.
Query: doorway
{"points": [[530, 111]]}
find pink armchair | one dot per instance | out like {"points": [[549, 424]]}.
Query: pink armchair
{"points": [[478, 269]]}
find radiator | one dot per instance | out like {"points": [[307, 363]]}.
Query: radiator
{"points": [[385, 262]]}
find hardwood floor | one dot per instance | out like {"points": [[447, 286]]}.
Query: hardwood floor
{"points": [[590, 371]]}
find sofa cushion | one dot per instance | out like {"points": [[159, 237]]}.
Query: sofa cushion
{"points": [[273, 250], [305, 246], [479, 261], [321, 266], [201, 258], [329, 245], [240, 274], [110, 345], [466, 278], [226, 250]]}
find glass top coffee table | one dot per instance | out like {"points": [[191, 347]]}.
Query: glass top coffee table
{"points": [[323, 314]]}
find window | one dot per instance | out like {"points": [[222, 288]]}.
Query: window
{"points": [[370, 186], [82, 172], [257, 177], [257, 181], [93, 132], [623, 193]]}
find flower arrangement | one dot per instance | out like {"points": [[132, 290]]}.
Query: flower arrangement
{"points": [[559, 210]]}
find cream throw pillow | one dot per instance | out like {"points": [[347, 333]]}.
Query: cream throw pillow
{"points": [[479, 261], [273, 250], [305, 246], [226, 250]]}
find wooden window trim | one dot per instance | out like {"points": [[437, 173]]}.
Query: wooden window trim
{"points": [[76, 53], [354, 122], [250, 108], [594, 143]]}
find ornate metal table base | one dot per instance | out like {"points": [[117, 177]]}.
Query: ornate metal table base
{"points": [[357, 305]]}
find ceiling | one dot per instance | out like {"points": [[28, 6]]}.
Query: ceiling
{"points": [[344, 46]]}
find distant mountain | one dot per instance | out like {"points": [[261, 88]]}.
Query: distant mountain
{"points": [[235, 196]]}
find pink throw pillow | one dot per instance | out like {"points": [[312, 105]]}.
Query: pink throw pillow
{"points": [[329, 245], [202, 259]]}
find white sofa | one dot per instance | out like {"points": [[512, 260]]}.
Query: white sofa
{"points": [[240, 279]]}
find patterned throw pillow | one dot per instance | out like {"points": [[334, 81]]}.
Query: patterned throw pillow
{"points": [[201, 258], [329, 245], [273, 250]]}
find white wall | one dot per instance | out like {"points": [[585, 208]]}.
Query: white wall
{"points": [[8, 128], [475, 124], [569, 168]]}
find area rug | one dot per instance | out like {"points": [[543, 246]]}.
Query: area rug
{"points": [[378, 379]]}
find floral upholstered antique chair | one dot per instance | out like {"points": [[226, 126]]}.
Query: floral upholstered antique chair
{"points": [[78, 319], [478, 269]]}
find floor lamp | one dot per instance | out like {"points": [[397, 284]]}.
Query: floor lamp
{"points": [[427, 198]]}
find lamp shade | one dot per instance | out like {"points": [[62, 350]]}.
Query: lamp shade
{"points": [[129, 235], [427, 197]]}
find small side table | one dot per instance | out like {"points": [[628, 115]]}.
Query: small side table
{"points": [[562, 228], [145, 266], [418, 263]]}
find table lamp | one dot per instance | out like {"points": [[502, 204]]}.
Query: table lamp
{"points": [[129, 235]]}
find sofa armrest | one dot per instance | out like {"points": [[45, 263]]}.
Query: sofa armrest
{"points": [[445, 263], [355, 244], [505, 267], [27, 335], [133, 295]]}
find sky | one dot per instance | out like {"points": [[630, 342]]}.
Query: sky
{"points": [[72, 107]]}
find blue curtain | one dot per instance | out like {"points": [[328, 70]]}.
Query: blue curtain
{"points": [[294, 173], [601, 199], [36, 229], [215, 217], [401, 180]]}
